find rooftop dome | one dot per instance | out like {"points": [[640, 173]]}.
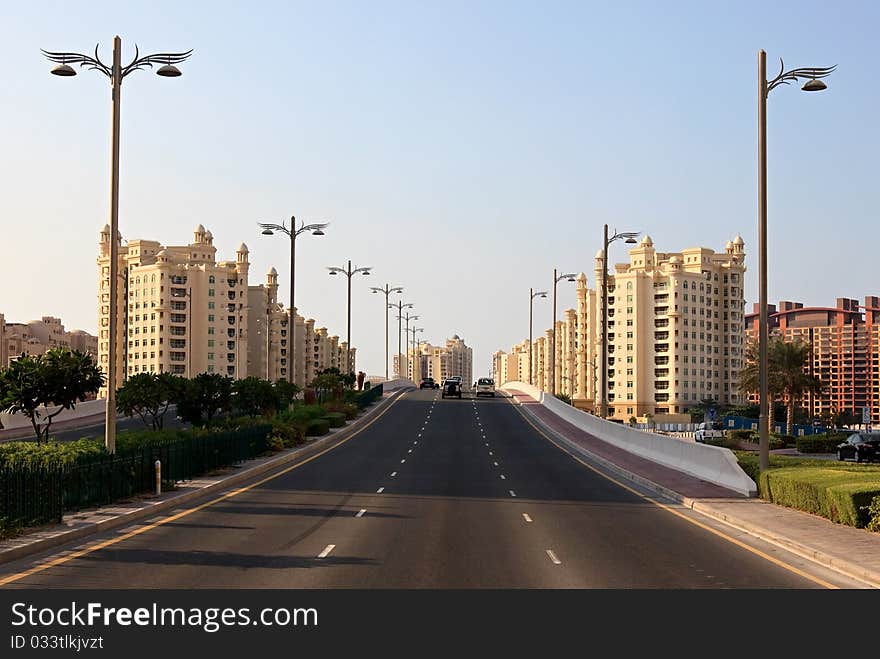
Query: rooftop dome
{"points": [[738, 240], [646, 241], [242, 249], [106, 229], [729, 245], [163, 254], [209, 235], [582, 277], [456, 336], [675, 259], [599, 254], [200, 229], [272, 271]]}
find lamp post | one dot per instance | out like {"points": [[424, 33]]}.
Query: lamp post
{"points": [[387, 290], [630, 237], [269, 229], [407, 317], [115, 72], [348, 272], [400, 306], [532, 295], [416, 373], [813, 84], [556, 280]]}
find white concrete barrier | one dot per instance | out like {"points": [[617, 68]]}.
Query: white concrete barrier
{"points": [[710, 463], [399, 383], [86, 408]]}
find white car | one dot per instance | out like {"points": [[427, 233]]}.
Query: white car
{"points": [[485, 387]]}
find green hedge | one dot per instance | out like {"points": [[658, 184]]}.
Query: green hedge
{"points": [[335, 419], [743, 435], [317, 427], [841, 495], [823, 443]]}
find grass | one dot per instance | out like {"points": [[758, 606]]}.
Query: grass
{"points": [[839, 491]]}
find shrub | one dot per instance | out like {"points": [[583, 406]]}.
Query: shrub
{"points": [[317, 427], [287, 434], [873, 510], [348, 409], [32, 454], [821, 443], [335, 419], [743, 435]]}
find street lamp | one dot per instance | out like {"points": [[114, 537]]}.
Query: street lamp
{"points": [[630, 237], [387, 290], [116, 72], [348, 272], [407, 317], [813, 83], [400, 306], [556, 280], [532, 295], [416, 357], [269, 229]]}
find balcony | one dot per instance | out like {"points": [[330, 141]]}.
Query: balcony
{"points": [[178, 356], [177, 279], [661, 361], [661, 372], [178, 343], [661, 398], [662, 298], [178, 331], [659, 311], [661, 347], [661, 336], [661, 322], [661, 384], [231, 295], [178, 306], [178, 318], [178, 292]]}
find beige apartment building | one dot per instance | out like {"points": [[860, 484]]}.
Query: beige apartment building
{"points": [[182, 311], [675, 334], [440, 362], [38, 336], [845, 342]]}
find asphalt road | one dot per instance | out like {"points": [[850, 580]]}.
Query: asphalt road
{"points": [[123, 424], [434, 494]]}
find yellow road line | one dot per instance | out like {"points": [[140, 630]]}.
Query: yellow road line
{"points": [[149, 527], [738, 543]]}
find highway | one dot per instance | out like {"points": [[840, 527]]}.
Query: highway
{"points": [[433, 494]]}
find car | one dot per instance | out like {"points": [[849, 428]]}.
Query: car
{"points": [[709, 432], [451, 388], [428, 383], [485, 387], [860, 447]]}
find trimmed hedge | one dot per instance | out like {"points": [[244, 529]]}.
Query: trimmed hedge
{"points": [[841, 495], [335, 419], [824, 443], [317, 427]]}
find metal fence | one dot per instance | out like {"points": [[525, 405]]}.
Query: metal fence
{"points": [[40, 495]]}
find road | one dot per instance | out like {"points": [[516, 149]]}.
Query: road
{"points": [[433, 494], [123, 423]]}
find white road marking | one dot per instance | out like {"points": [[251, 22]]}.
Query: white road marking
{"points": [[380, 490], [512, 493], [495, 463], [490, 453], [503, 477], [361, 512], [393, 474], [527, 518], [402, 461], [326, 551], [553, 558], [410, 451]]}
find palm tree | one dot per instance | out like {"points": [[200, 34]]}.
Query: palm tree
{"points": [[750, 376], [787, 361]]}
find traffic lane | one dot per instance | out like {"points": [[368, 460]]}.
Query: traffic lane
{"points": [[609, 536], [252, 529]]}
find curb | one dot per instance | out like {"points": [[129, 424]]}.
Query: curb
{"points": [[291, 455], [842, 566]]}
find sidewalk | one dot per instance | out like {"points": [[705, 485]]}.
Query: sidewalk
{"points": [[850, 551], [79, 524]]}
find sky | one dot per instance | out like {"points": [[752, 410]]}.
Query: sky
{"points": [[461, 149]]}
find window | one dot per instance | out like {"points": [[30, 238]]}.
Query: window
{"points": [[211, 279], [210, 292], [210, 330]]}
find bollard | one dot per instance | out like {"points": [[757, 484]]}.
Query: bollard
{"points": [[158, 477]]}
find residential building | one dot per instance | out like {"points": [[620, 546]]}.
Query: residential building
{"points": [[845, 351], [675, 333], [441, 362], [37, 336]]}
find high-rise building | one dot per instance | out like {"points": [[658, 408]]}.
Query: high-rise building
{"points": [[441, 362], [845, 351], [675, 333]]}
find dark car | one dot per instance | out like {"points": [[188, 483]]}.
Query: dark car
{"points": [[428, 383], [451, 388], [860, 447]]}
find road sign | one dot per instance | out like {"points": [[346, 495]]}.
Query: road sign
{"points": [[713, 414]]}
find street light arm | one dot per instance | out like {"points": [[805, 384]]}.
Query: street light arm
{"points": [[312, 227], [78, 58], [568, 276], [274, 227], [786, 77], [622, 234], [158, 58]]}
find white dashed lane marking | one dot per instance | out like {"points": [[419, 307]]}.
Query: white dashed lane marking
{"points": [[512, 493], [553, 558], [361, 512], [326, 551], [380, 490], [393, 474], [527, 518]]}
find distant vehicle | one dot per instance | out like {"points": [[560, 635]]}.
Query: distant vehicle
{"points": [[451, 388], [485, 387], [428, 383], [860, 447], [709, 430]]}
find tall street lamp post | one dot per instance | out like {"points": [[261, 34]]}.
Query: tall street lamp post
{"points": [[532, 295], [349, 272], [630, 237], [416, 357], [813, 84], [115, 72], [407, 317], [292, 232], [387, 290], [556, 280], [400, 306]]}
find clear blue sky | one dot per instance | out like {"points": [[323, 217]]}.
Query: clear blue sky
{"points": [[462, 149]]}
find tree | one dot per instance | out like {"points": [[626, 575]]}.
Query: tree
{"points": [[254, 396], [201, 398], [286, 391], [789, 360], [329, 381], [60, 377], [148, 395]]}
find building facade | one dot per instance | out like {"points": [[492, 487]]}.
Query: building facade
{"points": [[38, 336], [845, 352], [441, 362], [182, 311], [675, 333]]}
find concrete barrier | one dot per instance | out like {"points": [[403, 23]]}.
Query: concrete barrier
{"points": [[399, 383], [86, 408], [710, 463]]}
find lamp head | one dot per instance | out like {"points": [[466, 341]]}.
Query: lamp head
{"points": [[168, 71], [317, 232], [814, 85], [366, 272], [334, 272], [268, 232], [64, 70], [631, 241]]}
